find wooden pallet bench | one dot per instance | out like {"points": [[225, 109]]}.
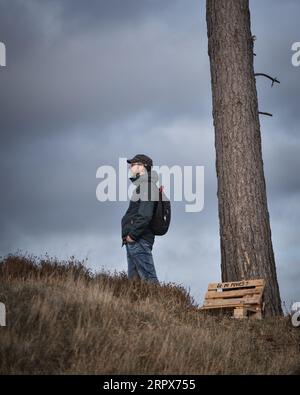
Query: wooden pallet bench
{"points": [[244, 297]]}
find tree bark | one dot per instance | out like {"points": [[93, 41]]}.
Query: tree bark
{"points": [[245, 233]]}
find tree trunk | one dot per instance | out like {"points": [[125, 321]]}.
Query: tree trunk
{"points": [[245, 234]]}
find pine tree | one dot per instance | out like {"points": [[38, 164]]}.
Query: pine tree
{"points": [[245, 233]]}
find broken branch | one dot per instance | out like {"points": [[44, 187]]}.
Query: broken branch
{"points": [[267, 76], [265, 113]]}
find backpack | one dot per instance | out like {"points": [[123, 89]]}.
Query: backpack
{"points": [[161, 218]]}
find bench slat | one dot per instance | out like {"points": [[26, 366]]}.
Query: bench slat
{"points": [[252, 308], [236, 284], [232, 293], [235, 302]]}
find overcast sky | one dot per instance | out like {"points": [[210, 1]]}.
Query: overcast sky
{"points": [[87, 83]]}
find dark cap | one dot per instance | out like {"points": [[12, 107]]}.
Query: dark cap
{"points": [[142, 159]]}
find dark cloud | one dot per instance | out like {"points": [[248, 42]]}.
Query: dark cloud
{"points": [[101, 14], [274, 57], [63, 79]]}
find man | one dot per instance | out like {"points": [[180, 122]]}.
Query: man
{"points": [[136, 232]]}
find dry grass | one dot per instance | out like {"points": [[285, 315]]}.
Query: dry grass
{"points": [[62, 319]]}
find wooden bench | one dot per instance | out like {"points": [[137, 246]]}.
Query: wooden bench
{"points": [[244, 297]]}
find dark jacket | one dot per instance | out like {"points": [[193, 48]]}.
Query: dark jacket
{"points": [[135, 222]]}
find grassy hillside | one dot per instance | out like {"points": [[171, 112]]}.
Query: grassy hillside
{"points": [[63, 319]]}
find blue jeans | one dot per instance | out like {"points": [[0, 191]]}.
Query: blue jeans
{"points": [[140, 260]]}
